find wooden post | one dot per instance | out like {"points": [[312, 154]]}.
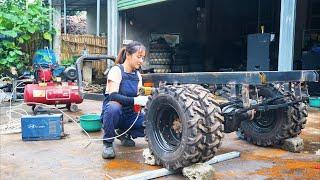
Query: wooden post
{"points": [[87, 71]]}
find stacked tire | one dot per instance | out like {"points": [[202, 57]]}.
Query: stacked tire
{"points": [[160, 56], [160, 61]]}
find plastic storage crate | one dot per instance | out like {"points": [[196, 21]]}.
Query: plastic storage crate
{"points": [[42, 127]]}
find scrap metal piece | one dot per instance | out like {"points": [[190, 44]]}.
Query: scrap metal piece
{"points": [[164, 172]]}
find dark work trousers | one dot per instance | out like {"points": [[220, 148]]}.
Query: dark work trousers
{"points": [[114, 116]]}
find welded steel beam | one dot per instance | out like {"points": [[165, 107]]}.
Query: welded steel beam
{"points": [[248, 77]]}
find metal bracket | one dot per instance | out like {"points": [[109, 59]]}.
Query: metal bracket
{"points": [[245, 95], [297, 90], [233, 90]]}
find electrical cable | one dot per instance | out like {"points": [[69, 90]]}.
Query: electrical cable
{"points": [[11, 109]]}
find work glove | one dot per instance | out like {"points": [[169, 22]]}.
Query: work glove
{"points": [[140, 100]]}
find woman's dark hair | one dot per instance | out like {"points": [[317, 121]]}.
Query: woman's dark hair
{"points": [[131, 48]]}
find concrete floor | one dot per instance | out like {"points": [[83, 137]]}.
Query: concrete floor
{"points": [[69, 159]]}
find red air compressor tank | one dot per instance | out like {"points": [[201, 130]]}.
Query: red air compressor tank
{"points": [[52, 93]]}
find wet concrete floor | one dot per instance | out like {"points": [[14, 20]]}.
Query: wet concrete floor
{"points": [[69, 158]]}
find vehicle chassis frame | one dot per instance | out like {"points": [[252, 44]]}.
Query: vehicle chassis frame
{"points": [[239, 82]]}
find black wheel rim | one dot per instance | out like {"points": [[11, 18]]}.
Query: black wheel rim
{"points": [[166, 136], [265, 120]]}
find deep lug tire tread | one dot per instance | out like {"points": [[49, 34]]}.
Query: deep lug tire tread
{"points": [[204, 125], [293, 121]]}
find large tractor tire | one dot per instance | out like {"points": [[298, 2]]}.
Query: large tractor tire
{"points": [[183, 126], [274, 126]]}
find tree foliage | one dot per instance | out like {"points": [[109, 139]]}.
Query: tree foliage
{"points": [[19, 21]]}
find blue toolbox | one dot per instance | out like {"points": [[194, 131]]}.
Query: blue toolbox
{"points": [[42, 127]]}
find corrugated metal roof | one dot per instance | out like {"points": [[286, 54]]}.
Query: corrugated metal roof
{"points": [[75, 5], [85, 4], [129, 4]]}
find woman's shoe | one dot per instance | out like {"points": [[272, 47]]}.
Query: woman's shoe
{"points": [[108, 151], [125, 139]]}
